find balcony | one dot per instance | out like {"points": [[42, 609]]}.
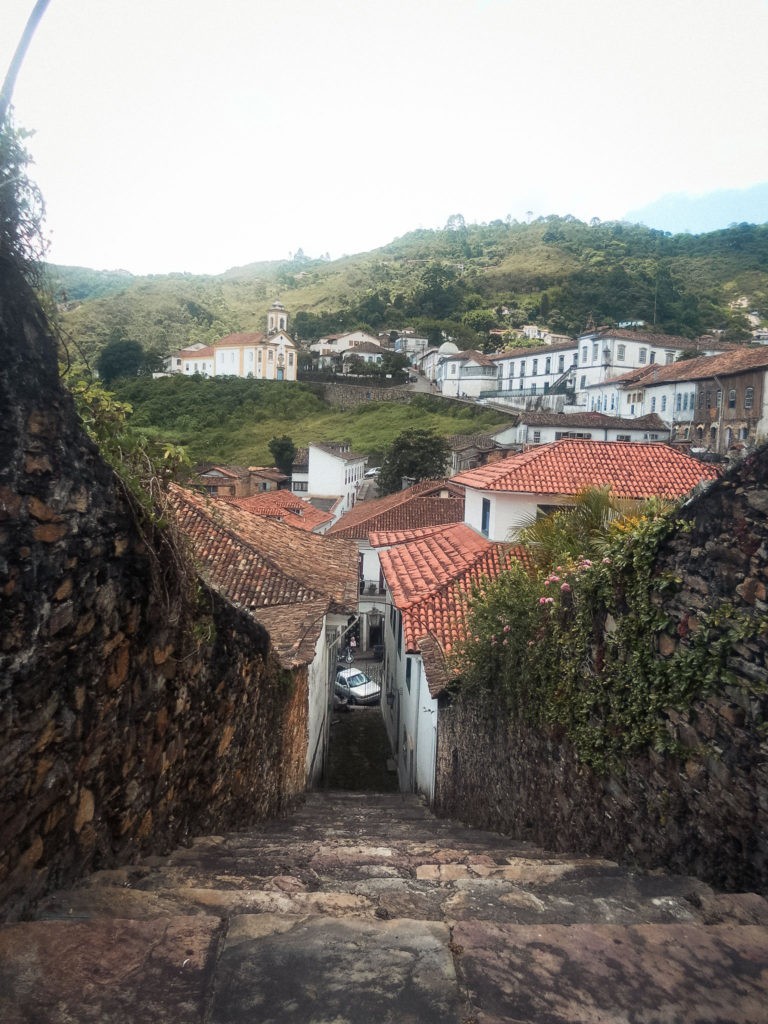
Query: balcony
{"points": [[370, 588]]}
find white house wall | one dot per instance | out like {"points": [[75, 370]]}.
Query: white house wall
{"points": [[509, 513], [319, 709]]}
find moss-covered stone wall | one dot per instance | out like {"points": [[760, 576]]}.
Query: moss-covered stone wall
{"points": [[136, 707], [700, 804]]}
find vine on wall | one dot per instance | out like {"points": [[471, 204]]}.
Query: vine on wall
{"points": [[586, 651]]}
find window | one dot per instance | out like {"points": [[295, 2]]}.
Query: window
{"points": [[290, 358], [537, 437], [485, 517], [663, 403], [535, 368], [583, 380], [653, 405], [561, 364], [669, 358], [560, 434], [623, 437], [719, 398], [548, 364], [653, 356], [709, 399], [643, 358], [749, 395], [594, 351], [408, 662], [621, 352], [679, 401], [584, 354], [732, 398], [522, 367]]}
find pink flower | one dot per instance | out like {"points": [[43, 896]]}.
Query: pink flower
{"points": [[506, 643], [507, 628], [565, 588], [606, 561], [546, 600]]}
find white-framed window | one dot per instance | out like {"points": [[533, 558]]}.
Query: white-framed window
{"points": [[653, 405], [643, 356], [621, 352], [663, 403], [749, 397]]}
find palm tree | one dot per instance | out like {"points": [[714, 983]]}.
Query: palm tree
{"points": [[577, 530]]}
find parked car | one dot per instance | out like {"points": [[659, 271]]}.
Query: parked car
{"points": [[355, 687]]}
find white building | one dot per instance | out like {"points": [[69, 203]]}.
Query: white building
{"points": [[270, 356], [466, 374], [534, 427], [503, 497], [329, 470], [611, 352], [331, 348]]}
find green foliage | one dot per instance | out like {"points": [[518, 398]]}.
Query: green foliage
{"points": [[575, 650], [21, 207], [231, 420], [143, 466], [283, 451], [444, 283], [120, 359], [415, 454]]}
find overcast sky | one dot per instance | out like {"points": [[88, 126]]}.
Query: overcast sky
{"points": [[196, 135]]}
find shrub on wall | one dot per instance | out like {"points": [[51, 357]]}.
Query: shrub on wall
{"points": [[586, 651]]}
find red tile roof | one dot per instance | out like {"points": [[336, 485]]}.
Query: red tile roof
{"points": [[284, 506], [737, 360], [598, 420], [431, 579], [418, 568], [633, 470], [417, 506], [286, 578]]}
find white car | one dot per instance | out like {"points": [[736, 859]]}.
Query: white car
{"points": [[355, 687]]}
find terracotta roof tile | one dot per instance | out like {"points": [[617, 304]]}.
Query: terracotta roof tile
{"points": [[420, 567], [286, 578], [598, 420], [417, 506], [284, 506], [636, 470], [704, 367]]}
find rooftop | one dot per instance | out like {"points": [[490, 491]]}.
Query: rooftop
{"points": [[286, 578], [417, 506], [284, 506], [598, 420], [634, 470]]}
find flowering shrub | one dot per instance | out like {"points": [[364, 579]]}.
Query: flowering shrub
{"points": [[574, 648]]}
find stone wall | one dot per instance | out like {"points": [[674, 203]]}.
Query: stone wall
{"points": [[703, 810], [347, 396], [136, 707]]}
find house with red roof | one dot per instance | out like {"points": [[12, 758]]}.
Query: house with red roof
{"points": [[285, 508], [300, 587], [429, 576], [429, 504], [712, 402], [329, 470], [264, 356], [503, 497]]}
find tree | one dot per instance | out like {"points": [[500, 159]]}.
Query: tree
{"points": [[416, 455], [283, 451], [120, 359]]}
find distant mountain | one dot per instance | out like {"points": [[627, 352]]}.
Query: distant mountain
{"points": [[679, 212]]}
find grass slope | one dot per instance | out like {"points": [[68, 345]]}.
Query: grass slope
{"points": [[232, 421]]}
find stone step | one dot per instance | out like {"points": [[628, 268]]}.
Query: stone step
{"points": [[278, 969], [359, 908]]}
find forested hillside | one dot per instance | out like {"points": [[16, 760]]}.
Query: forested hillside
{"points": [[463, 280]]}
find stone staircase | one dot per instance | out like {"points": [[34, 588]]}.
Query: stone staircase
{"points": [[365, 909]]}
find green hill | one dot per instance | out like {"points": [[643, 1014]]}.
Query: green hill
{"points": [[232, 420], [463, 280]]}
